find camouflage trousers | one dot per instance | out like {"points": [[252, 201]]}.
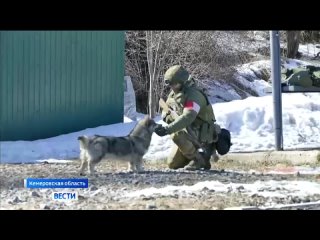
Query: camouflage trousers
{"points": [[182, 152]]}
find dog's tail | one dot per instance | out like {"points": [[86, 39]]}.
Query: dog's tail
{"points": [[84, 141]]}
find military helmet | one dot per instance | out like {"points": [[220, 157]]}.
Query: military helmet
{"points": [[176, 74]]}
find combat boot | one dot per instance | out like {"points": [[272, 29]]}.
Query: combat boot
{"points": [[193, 166], [206, 153], [215, 157], [206, 165], [198, 163]]}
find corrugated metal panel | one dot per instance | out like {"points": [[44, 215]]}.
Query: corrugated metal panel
{"points": [[56, 82]]}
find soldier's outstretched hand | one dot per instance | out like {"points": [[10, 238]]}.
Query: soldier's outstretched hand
{"points": [[161, 131]]}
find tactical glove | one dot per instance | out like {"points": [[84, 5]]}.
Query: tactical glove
{"points": [[161, 131]]}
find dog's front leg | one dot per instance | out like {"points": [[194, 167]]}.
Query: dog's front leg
{"points": [[131, 167], [84, 162], [91, 165]]}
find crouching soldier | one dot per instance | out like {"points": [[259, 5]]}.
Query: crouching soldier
{"points": [[191, 122]]}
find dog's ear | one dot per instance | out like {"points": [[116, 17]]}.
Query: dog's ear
{"points": [[82, 137], [150, 121]]}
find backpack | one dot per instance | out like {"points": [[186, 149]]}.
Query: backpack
{"points": [[224, 142], [315, 75], [307, 76], [300, 77]]}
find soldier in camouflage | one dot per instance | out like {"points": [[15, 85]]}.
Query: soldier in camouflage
{"points": [[195, 120]]}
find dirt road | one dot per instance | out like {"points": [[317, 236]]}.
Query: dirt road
{"points": [[160, 188]]}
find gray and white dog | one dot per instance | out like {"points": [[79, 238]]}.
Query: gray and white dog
{"points": [[130, 148]]}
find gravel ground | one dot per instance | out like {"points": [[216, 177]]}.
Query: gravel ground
{"points": [[114, 188]]}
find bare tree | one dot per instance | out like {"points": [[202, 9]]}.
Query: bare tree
{"points": [[293, 40], [154, 59], [310, 37], [205, 54], [151, 66], [136, 66]]}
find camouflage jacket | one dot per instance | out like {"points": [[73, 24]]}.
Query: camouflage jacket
{"points": [[193, 109]]}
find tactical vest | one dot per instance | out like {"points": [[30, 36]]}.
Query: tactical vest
{"points": [[204, 126], [177, 102]]}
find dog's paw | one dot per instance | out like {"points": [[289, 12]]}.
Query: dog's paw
{"points": [[82, 174]]}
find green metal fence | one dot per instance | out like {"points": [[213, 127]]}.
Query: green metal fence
{"points": [[56, 82]]}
